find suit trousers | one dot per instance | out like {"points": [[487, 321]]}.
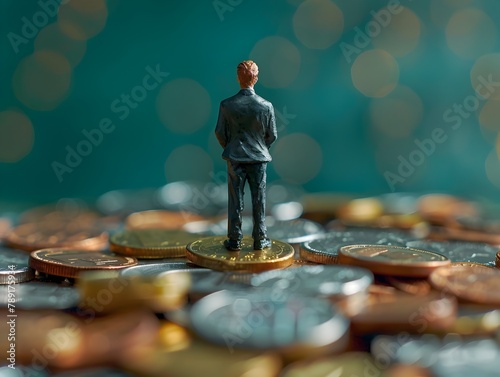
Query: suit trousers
{"points": [[237, 174]]}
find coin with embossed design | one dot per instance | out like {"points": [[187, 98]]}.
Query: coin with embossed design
{"points": [[210, 252], [392, 260], [69, 263]]}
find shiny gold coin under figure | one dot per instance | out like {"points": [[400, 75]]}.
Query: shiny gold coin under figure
{"points": [[69, 263], [152, 243], [210, 252]]}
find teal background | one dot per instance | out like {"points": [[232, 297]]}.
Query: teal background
{"points": [[189, 40]]}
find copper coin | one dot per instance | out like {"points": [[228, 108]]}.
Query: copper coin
{"points": [[441, 208], [452, 234], [392, 260], [65, 210], [403, 312], [473, 284], [35, 236], [69, 263], [159, 219], [414, 286]]}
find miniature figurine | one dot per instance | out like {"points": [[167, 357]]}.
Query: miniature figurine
{"points": [[246, 128]]}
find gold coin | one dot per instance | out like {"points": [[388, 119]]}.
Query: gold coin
{"points": [[346, 365], [392, 260], [69, 263], [210, 252], [159, 219], [152, 243]]}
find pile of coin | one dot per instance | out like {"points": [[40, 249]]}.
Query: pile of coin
{"points": [[380, 286]]}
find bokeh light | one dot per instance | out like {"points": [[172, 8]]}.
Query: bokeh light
{"points": [[442, 10], [297, 158], [16, 136], [399, 33], [318, 24], [278, 60], [174, 105], [53, 39], [471, 33], [492, 167], [188, 162], [485, 76], [375, 73], [83, 19], [397, 114], [489, 116], [42, 80]]}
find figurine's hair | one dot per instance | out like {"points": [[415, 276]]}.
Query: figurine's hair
{"points": [[248, 73]]}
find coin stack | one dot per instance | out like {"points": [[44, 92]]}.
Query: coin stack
{"points": [[381, 286]]}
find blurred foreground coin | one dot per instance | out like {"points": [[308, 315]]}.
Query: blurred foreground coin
{"points": [[296, 325]]}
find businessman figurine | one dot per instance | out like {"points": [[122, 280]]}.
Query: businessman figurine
{"points": [[246, 128]]}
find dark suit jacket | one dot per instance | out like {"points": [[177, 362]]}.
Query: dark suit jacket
{"points": [[246, 127]]}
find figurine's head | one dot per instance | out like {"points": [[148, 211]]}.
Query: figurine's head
{"points": [[248, 73]]}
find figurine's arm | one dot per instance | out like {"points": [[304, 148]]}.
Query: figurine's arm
{"points": [[221, 128], [271, 133]]}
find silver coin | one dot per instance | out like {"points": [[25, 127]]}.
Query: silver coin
{"points": [[37, 295], [457, 251], [125, 202], [155, 269], [205, 281], [14, 266], [324, 280], [23, 371], [290, 231], [400, 203], [255, 320], [204, 198], [450, 356]]}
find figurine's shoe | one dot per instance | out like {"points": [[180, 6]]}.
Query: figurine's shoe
{"points": [[232, 245], [262, 244]]}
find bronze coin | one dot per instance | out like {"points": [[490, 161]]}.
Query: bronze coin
{"points": [[398, 312], [472, 284], [392, 260], [35, 236], [65, 210], [442, 208], [69, 263], [414, 286]]}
